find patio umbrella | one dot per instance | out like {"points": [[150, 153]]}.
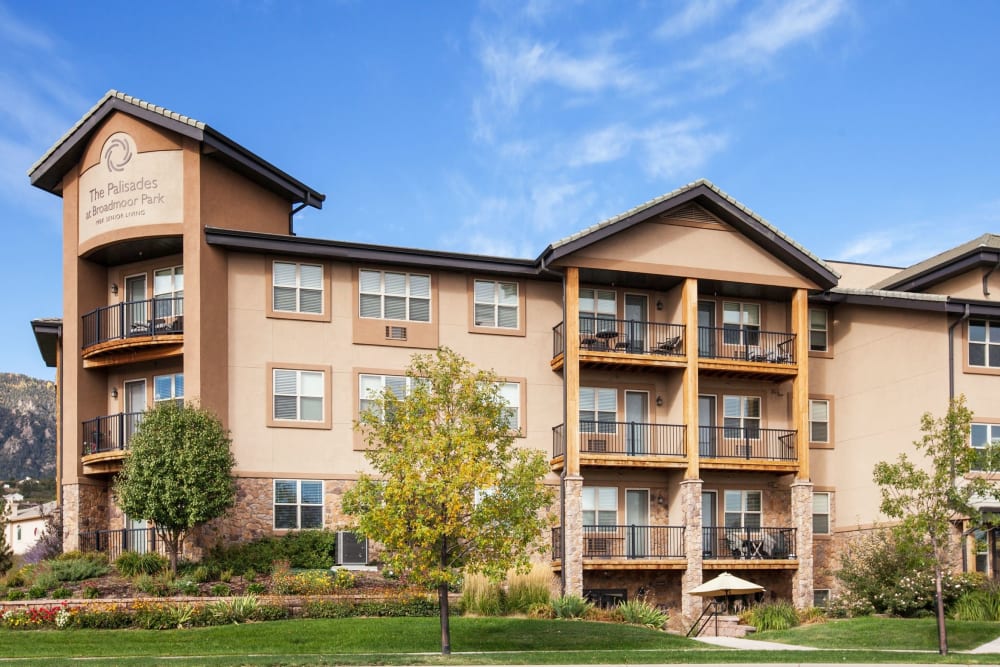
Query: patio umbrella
{"points": [[725, 584]]}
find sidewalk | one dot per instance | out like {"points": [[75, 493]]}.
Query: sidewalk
{"points": [[750, 644]]}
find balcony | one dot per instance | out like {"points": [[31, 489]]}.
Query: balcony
{"points": [[747, 447], [609, 343], [624, 547], [105, 440], [746, 352], [749, 548], [133, 331], [115, 542], [625, 443]]}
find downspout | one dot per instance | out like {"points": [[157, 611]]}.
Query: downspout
{"points": [[291, 215], [986, 278], [951, 350]]}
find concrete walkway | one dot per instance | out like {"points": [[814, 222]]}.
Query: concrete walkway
{"points": [[988, 647], [751, 644]]}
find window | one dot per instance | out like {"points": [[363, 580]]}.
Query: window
{"points": [[740, 323], [600, 506], [984, 343], [982, 436], [743, 509], [298, 395], [741, 416], [298, 504], [168, 388], [387, 295], [598, 310], [297, 288], [511, 393], [821, 597], [495, 304], [819, 339], [372, 386], [168, 292], [598, 410], [819, 420], [821, 513]]}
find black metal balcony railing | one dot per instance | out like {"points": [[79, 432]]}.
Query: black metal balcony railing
{"points": [[109, 433], [116, 542], [746, 344], [160, 316], [730, 442], [630, 438], [625, 336], [748, 543], [626, 542]]}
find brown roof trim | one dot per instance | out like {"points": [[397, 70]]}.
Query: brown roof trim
{"points": [[49, 171], [948, 305], [706, 195], [363, 252], [48, 333], [937, 274]]}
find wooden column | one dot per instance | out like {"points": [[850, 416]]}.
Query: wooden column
{"points": [[571, 370], [800, 385], [689, 384]]}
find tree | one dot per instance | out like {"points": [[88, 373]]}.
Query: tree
{"points": [[927, 498], [177, 473], [452, 494], [6, 555]]}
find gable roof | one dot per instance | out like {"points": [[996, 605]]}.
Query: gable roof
{"points": [[981, 251], [47, 173], [728, 209]]}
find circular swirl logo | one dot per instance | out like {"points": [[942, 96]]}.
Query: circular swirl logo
{"points": [[118, 151]]}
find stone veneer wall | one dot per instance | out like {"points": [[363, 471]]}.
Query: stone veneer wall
{"points": [[572, 523], [691, 605], [802, 580], [85, 508]]}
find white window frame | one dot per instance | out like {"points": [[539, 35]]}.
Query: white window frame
{"points": [[511, 393], [368, 395], [300, 393], [298, 504], [498, 303], [601, 503], [982, 434], [408, 296], [301, 287], [596, 405], [822, 504], [819, 413], [737, 412], [745, 510], [817, 327], [168, 302], [990, 342], [598, 310], [175, 382], [741, 330]]}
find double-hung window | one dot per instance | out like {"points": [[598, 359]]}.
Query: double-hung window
{"points": [[819, 420], [600, 505], [598, 310], [510, 392], [298, 504], [598, 410], [743, 509], [741, 416], [495, 304], [168, 388], [984, 343], [371, 387], [297, 288], [819, 330], [390, 295], [821, 513], [298, 395], [982, 436], [168, 292], [740, 323]]}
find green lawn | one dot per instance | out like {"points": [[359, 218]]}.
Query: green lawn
{"points": [[414, 641], [912, 634]]}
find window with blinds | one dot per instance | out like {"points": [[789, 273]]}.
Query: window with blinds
{"points": [[168, 292], [511, 393], [600, 505], [298, 395], [598, 409], [743, 509], [168, 388], [297, 288], [821, 513], [372, 386], [387, 295], [298, 504], [819, 420], [741, 416], [495, 304]]}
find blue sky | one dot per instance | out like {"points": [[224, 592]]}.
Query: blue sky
{"points": [[866, 130]]}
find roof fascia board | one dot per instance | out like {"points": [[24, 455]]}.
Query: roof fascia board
{"points": [[958, 266], [365, 253], [47, 335], [834, 298]]}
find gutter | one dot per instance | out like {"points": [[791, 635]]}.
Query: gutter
{"points": [[951, 352]]}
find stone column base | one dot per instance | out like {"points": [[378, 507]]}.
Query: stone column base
{"points": [[572, 532], [802, 580], [691, 605]]}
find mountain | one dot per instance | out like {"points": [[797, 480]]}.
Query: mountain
{"points": [[27, 427]]}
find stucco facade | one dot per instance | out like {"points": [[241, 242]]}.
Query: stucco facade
{"points": [[707, 391]]}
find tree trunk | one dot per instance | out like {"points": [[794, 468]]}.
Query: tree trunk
{"points": [[443, 604], [173, 541], [942, 630]]}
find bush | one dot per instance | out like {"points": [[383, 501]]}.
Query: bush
{"points": [[344, 579], [237, 610], [77, 567], [570, 606], [220, 590], [130, 563], [91, 592], [159, 586], [201, 574], [186, 587], [777, 615], [639, 612], [482, 597], [61, 593], [309, 582], [37, 592], [978, 605], [311, 549], [15, 594], [525, 591], [403, 606], [256, 588], [49, 544]]}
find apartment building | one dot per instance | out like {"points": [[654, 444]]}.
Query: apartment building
{"points": [[712, 395]]}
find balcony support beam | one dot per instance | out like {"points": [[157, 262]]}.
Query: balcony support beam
{"points": [[800, 383], [572, 482], [689, 383]]}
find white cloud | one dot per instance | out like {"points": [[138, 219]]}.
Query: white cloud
{"points": [[605, 145], [16, 33], [694, 15]]}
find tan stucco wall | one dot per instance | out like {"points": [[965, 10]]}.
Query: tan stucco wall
{"points": [[861, 275], [969, 285]]}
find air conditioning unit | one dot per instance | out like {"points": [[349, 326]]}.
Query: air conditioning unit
{"points": [[395, 333], [351, 549]]}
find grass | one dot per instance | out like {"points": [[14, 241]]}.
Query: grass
{"points": [[901, 634], [414, 641]]}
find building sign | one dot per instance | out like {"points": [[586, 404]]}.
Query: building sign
{"points": [[128, 188]]}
